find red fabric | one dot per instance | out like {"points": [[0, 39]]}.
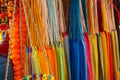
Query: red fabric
{"points": [[89, 57], [110, 55], [4, 47]]}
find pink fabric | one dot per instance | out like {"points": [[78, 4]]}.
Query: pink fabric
{"points": [[89, 57]]}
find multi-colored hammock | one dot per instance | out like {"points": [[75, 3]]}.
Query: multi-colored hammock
{"points": [[44, 47]]}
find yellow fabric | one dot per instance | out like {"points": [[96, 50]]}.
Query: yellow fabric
{"points": [[0, 37], [115, 67], [105, 56], [36, 60], [93, 40]]}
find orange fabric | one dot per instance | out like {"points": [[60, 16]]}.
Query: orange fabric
{"points": [[104, 16], [53, 60], [90, 16], [43, 62]]}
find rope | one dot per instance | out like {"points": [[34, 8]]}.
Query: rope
{"points": [[10, 41], [20, 6]]}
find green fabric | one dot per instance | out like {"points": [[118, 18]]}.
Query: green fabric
{"points": [[117, 50], [60, 62], [67, 56], [100, 57]]}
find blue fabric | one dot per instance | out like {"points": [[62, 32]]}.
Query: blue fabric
{"points": [[3, 62], [83, 60], [74, 59], [78, 63]]}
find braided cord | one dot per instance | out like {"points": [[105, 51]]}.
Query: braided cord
{"points": [[20, 6], [10, 41]]}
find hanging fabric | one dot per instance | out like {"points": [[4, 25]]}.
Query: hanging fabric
{"points": [[61, 39], [87, 46], [67, 54], [66, 7], [85, 13], [100, 57], [95, 13], [110, 55], [115, 67], [93, 38], [76, 44], [89, 57], [116, 3], [105, 56]]}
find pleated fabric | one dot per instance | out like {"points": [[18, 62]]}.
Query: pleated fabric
{"points": [[89, 57], [60, 61], [67, 55], [38, 68], [90, 16], [85, 14], [74, 59], [109, 49], [115, 65], [64, 58], [105, 56], [99, 15], [100, 57], [93, 40], [95, 13], [78, 61], [53, 60], [117, 22], [83, 61], [117, 49], [66, 8]]}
